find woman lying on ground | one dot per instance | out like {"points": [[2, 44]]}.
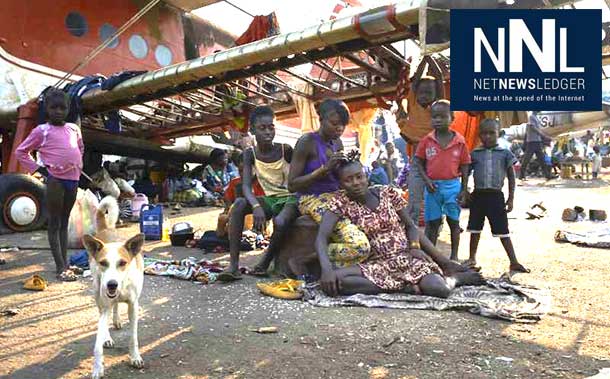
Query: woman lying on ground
{"points": [[396, 263]]}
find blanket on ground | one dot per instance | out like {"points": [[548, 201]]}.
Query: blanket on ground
{"points": [[598, 237], [187, 269], [500, 298]]}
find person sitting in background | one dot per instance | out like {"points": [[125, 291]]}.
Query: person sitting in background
{"points": [[392, 161], [234, 191], [378, 175], [215, 175], [403, 178]]}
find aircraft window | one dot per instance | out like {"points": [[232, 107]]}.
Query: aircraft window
{"points": [[138, 46], [76, 24], [106, 31], [163, 55]]}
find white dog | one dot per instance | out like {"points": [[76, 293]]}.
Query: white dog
{"points": [[118, 275]]}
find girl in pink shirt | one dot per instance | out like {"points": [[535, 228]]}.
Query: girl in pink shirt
{"points": [[60, 149]]}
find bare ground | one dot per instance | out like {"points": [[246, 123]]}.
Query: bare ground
{"points": [[188, 330]]}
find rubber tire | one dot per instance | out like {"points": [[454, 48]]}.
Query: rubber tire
{"points": [[15, 183]]}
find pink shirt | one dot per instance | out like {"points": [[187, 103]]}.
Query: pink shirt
{"points": [[60, 149], [443, 164]]}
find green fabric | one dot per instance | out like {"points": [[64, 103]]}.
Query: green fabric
{"points": [[273, 205]]}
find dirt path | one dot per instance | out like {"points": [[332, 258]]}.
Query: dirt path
{"points": [[194, 331]]}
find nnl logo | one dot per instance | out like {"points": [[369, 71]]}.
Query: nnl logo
{"points": [[519, 36]]}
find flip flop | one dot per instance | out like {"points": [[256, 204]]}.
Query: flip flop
{"points": [[287, 289], [35, 283], [258, 272], [227, 277], [67, 276]]}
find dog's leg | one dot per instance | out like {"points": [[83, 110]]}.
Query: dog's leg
{"points": [[116, 319], [134, 351], [98, 350]]}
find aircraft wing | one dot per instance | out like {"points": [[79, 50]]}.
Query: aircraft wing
{"points": [[189, 5]]}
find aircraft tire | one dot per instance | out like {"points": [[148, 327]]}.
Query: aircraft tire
{"points": [[22, 203]]}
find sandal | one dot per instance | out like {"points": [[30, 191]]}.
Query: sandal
{"points": [[258, 272], [287, 289], [227, 277], [76, 270], [67, 276], [35, 283]]}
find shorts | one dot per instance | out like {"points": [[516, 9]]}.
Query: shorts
{"points": [[488, 204], [273, 205], [69, 185], [443, 201]]}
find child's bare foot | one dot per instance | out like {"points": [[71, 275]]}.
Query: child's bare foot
{"points": [[518, 267], [471, 263]]}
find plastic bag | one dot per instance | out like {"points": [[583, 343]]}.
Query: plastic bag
{"points": [[82, 218]]}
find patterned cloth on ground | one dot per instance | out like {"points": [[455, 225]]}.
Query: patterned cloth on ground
{"points": [[599, 237], [349, 245], [187, 269], [498, 299]]}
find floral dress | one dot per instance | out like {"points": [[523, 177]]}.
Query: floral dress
{"points": [[389, 266]]}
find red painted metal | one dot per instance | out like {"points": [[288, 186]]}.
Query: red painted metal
{"points": [[7, 144], [27, 120], [29, 28]]}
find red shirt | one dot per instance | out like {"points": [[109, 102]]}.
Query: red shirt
{"points": [[443, 164], [232, 191]]}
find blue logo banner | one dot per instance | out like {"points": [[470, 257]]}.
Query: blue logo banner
{"points": [[526, 60]]}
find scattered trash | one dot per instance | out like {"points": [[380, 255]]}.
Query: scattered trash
{"points": [[603, 373], [164, 355], [537, 211], [504, 359], [361, 364], [9, 312], [86, 273], [597, 215], [265, 330], [393, 341], [438, 351]]}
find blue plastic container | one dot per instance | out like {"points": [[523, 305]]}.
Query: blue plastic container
{"points": [[151, 221]]}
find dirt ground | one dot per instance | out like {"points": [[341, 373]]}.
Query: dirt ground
{"points": [[188, 330]]}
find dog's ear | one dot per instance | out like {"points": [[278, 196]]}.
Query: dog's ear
{"points": [[134, 244], [93, 245]]}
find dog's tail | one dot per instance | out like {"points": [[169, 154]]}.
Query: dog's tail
{"points": [[107, 205]]}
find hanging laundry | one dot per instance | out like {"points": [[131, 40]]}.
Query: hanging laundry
{"points": [[261, 27]]}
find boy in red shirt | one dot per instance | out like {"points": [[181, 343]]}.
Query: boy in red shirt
{"points": [[442, 158]]}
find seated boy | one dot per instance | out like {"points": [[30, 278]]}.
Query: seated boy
{"points": [[491, 164], [232, 193], [271, 164]]}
